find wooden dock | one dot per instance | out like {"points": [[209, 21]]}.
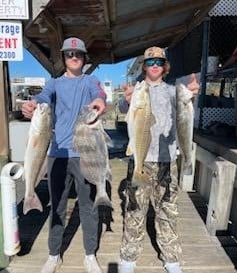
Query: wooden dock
{"points": [[202, 253]]}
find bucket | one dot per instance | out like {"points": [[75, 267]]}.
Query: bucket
{"points": [[10, 173]]}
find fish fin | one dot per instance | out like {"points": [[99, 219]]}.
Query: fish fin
{"points": [[139, 178], [153, 120], [108, 176], [102, 200], [129, 151], [188, 169], [32, 202]]}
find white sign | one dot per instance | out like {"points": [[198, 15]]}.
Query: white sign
{"points": [[11, 48], [36, 81], [14, 9]]}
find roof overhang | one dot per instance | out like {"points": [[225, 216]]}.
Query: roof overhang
{"points": [[112, 30]]}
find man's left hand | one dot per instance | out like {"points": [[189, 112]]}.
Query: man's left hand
{"points": [[99, 105], [193, 84]]}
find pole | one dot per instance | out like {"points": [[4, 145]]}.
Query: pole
{"points": [[205, 49], [4, 144]]}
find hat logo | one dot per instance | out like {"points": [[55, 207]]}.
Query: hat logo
{"points": [[74, 43]]}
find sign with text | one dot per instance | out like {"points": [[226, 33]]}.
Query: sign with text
{"points": [[11, 48], [14, 9]]}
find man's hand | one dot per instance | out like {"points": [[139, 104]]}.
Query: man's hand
{"points": [[99, 105], [193, 84], [128, 90], [28, 108]]}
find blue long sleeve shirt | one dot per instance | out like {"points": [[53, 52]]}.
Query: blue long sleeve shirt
{"points": [[67, 96]]}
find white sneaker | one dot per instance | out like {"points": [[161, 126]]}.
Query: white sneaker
{"points": [[51, 265], [126, 266], [91, 264], [172, 268]]}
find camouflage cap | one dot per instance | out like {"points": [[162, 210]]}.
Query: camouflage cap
{"points": [[74, 43], [154, 52]]}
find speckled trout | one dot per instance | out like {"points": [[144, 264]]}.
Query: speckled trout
{"points": [[91, 141], [139, 121], [35, 154], [184, 123]]}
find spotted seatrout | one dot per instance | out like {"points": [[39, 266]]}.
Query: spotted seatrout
{"points": [[184, 123], [139, 121], [92, 142], [35, 154]]}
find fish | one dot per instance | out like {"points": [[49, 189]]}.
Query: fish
{"points": [[35, 155], [92, 142], [139, 121], [184, 123]]}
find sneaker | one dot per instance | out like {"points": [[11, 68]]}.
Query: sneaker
{"points": [[91, 264], [172, 268], [126, 267], [51, 265]]}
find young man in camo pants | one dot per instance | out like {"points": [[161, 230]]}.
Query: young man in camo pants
{"points": [[160, 165]]}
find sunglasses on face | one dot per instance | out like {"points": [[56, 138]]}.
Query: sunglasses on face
{"points": [[71, 54], [153, 61]]}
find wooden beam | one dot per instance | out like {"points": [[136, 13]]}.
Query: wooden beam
{"points": [[222, 177], [91, 35], [222, 186], [193, 21], [151, 36], [112, 10], [216, 147], [38, 54], [205, 156], [55, 26], [105, 4], [157, 13], [82, 31], [55, 38]]}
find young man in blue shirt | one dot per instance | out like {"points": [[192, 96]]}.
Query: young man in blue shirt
{"points": [[66, 95]]}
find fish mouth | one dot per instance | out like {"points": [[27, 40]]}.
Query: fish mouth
{"points": [[42, 107], [93, 122], [93, 117]]}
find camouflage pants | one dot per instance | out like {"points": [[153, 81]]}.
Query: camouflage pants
{"points": [[161, 190]]}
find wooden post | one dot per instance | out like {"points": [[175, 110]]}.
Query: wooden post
{"points": [[4, 146], [235, 111], [205, 50], [206, 160], [223, 178]]}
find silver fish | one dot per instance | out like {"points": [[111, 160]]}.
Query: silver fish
{"points": [[139, 121], [35, 154], [184, 123], [92, 142]]}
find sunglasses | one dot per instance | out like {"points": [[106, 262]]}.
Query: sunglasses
{"points": [[71, 54], [153, 61]]}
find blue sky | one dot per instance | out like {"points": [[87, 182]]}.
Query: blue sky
{"points": [[30, 67]]}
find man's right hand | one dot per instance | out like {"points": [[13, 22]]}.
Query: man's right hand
{"points": [[28, 108], [128, 90]]}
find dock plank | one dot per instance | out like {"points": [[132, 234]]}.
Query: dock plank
{"points": [[202, 253]]}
